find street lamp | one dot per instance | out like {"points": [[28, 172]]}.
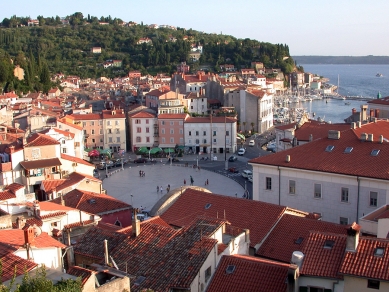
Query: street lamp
{"points": [[131, 201], [225, 144]]}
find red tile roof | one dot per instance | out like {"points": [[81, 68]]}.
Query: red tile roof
{"points": [[173, 116], [50, 184], [40, 140], [208, 120], [250, 274], [320, 261], [281, 242], [13, 265], [143, 114], [363, 262], [65, 133], [258, 217], [6, 195], [75, 159], [84, 274], [14, 187], [85, 117], [383, 100], [15, 238], [312, 156], [317, 129], [93, 203], [42, 163]]}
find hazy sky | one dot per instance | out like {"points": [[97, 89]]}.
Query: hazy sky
{"points": [[337, 28]]}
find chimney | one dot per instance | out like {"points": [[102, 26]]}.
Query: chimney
{"points": [[333, 134], [20, 222], [135, 223], [381, 139], [287, 158], [28, 240], [359, 124], [363, 137], [106, 255], [293, 274], [36, 209], [62, 201], [310, 138], [297, 258], [370, 137], [354, 111], [353, 125], [353, 237]]}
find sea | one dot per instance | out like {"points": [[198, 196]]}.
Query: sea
{"points": [[354, 80]]}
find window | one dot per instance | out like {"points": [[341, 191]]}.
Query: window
{"points": [[101, 140], [171, 123], [101, 131], [317, 193], [162, 131], [171, 131], [197, 133], [163, 139], [268, 183], [214, 133], [205, 141], [215, 141], [110, 139], [329, 148], [374, 152], [108, 123], [139, 130], [207, 274], [379, 251], [343, 220], [63, 141], [190, 133], [92, 123], [147, 121], [118, 139], [101, 122], [93, 132], [373, 199], [84, 124], [76, 144], [93, 140], [84, 132], [64, 150], [227, 133], [116, 123], [138, 139], [109, 131], [373, 284], [329, 244], [147, 130], [147, 139], [171, 140], [197, 141], [344, 195], [137, 121], [54, 224], [292, 187], [181, 131], [204, 133], [162, 123]]}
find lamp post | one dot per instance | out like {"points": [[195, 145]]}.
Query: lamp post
{"points": [[106, 169], [131, 201], [225, 143], [122, 162], [149, 153]]}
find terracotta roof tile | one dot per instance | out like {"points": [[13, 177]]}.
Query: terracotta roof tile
{"points": [[93, 203], [284, 238], [317, 129], [85, 117], [258, 217], [14, 187], [383, 100], [320, 261], [75, 159], [83, 273], [77, 224], [13, 265], [41, 163], [250, 274], [142, 114], [6, 195], [15, 238], [313, 156], [173, 116], [40, 140], [363, 262], [208, 120], [50, 184], [65, 133]]}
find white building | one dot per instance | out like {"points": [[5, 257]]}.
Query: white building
{"points": [[210, 134], [196, 103], [341, 177], [143, 129]]}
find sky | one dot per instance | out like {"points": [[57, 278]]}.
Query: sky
{"points": [[329, 28]]}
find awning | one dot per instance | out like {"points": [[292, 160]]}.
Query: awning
{"points": [[43, 163], [155, 150], [168, 150], [181, 147], [143, 150]]}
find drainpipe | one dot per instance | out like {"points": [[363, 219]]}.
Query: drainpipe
{"points": [[279, 186], [333, 285], [359, 192]]}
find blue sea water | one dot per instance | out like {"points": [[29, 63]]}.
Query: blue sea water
{"points": [[354, 80]]}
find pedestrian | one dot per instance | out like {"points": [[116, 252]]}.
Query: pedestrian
{"points": [[157, 189], [140, 173], [161, 189], [207, 182], [184, 182], [191, 181]]}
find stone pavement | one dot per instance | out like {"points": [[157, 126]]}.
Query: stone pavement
{"points": [[127, 186]]}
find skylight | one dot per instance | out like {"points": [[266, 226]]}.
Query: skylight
{"points": [[329, 148], [348, 150], [207, 206], [139, 280], [374, 152], [230, 269], [299, 240], [329, 244], [379, 251]]}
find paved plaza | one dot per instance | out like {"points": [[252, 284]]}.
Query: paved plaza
{"points": [[128, 186]]}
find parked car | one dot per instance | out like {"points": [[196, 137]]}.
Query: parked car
{"points": [[96, 173], [106, 164], [252, 143], [271, 146], [118, 162], [232, 158], [140, 160], [233, 170], [246, 173], [241, 151], [250, 178]]}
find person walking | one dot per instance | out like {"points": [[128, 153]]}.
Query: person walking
{"points": [[184, 182], [157, 189], [207, 182], [191, 181], [161, 189]]}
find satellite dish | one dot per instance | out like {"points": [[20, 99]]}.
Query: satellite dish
{"points": [[37, 230]]}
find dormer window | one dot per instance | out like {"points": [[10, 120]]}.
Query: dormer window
{"points": [[328, 244], [299, 240], [230, 269], [207, 206], [348, 150], [379, 251], [375, 152], [329, 148]]}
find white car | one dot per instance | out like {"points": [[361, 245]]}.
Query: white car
{"points": [[241, 151], [246, 173], [250, 178], [252, 143]]}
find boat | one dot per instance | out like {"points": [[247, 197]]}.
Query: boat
{"points": [[347, 103], [379, 75]]}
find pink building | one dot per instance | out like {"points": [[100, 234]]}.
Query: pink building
{"points": [[171, 129]]}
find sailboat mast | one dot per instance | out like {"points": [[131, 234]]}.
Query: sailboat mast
{"points": [[337, 89]]}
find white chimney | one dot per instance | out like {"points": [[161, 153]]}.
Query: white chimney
{"points": [[370, 137], [297, 258], [287, 158], [106, 255], [353, 125], [135, 223], [359, 124], [363, 137], [333, 134], [381, 139]]}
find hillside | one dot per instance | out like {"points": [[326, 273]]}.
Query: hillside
{"points": [[341, 60], [64, 45]]}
